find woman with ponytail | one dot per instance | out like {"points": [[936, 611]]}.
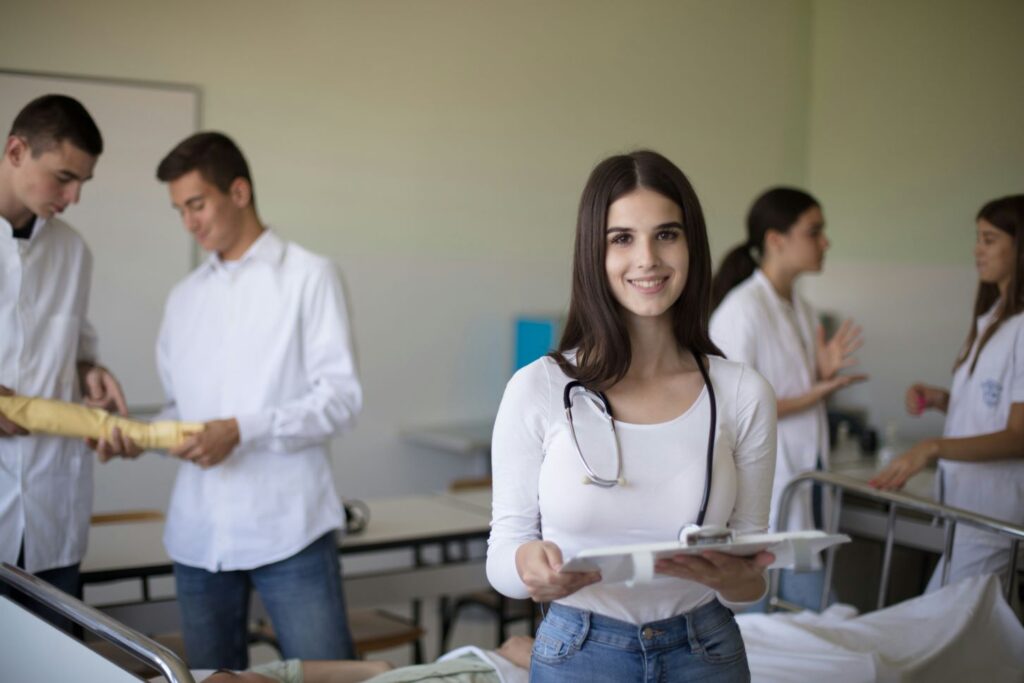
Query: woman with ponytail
{"points": [[981, 452], [759, 319]]}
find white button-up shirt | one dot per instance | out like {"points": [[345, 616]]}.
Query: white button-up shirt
{"points": [[45, 481], [754, 325], [264, 340]]}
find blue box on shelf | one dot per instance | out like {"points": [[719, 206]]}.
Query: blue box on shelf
{"points": [[535, 337]]}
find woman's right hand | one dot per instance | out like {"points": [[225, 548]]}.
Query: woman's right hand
{"points": [[538, 563], [921, 397]]}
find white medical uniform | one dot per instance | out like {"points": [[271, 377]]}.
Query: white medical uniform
{"points": [[756, 326], [979, 403], [45, 481]]}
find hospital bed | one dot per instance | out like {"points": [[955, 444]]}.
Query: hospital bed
{"points": [[965, 631], [33, 650]]}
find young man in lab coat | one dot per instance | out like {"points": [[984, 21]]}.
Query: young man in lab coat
{"points": [[47, 347], [255, 345]]}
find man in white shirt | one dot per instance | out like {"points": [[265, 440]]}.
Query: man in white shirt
{"points": [[47, 346], [255, 344]]}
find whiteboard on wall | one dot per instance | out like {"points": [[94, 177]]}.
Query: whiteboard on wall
{"points": [[140, 249]]}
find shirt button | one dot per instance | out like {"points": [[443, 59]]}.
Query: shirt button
{"points": [[647, 633]]}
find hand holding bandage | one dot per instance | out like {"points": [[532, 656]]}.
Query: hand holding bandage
{"points": [[60, 418]]}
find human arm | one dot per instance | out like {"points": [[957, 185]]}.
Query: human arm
{"points": [[518, 650], [341, 671], [1005, 444], [334, 396], [819, 392], [520, 563], [741, 579]]}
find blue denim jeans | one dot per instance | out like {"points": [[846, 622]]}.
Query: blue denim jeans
{"points": [[800, 588], [575, 645], [303, 595], [64, 578]]}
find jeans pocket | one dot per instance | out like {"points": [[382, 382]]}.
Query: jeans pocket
{"points": [[553, 644], [722, 644]]}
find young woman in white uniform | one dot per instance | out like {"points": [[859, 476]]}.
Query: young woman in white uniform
{"points": [[981, 452], [759, 319], [635, 333]]}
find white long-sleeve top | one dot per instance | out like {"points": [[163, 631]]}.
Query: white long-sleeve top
{"points": [[756, 326], [539, 491], [45, 481], [264, 340]]}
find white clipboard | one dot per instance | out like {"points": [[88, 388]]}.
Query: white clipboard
{"points": [[635, 563]]}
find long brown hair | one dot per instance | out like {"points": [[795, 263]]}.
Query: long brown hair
{"points": [[1007, 214], [776, 209], [595, 327]]}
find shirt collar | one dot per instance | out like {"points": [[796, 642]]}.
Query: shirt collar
{"points": [[268, 248], [761, 279], [7, 231]]}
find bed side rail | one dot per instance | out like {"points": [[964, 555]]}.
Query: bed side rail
{"points": [[94, 621], [950, 517]]}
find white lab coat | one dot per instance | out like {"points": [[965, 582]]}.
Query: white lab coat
{"points": [[980, 403], [45, 481], [754, 325]]}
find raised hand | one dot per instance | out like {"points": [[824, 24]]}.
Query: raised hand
{"points": [[837, 353]]}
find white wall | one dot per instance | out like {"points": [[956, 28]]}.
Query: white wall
{"points": [[436, 151], [915, 114]]}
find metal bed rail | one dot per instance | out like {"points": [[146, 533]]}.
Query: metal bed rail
{"points": [[950, 517], [94, 621]]}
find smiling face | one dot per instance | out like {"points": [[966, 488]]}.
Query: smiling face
{"points": [[47, 183], [993, 255], [214, 218], [647, 258]]}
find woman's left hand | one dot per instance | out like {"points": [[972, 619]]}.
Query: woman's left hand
{"points": [[737, 579], [837, 353], [893, 477]]}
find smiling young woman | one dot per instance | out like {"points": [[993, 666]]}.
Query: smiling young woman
{"points": [[692, 439]]}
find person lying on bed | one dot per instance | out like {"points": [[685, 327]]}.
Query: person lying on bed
{"points": [[508, 664]]}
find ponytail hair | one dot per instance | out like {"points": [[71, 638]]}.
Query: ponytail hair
{"points": [[777, 209], [1007, 214]]}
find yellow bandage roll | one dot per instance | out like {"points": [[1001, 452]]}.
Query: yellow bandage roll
{"points": [[60, 418]]}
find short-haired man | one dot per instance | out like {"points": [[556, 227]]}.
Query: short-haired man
{"points": [[255, 344], [47, 347]]}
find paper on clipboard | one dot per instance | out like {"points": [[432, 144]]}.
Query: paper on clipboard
{"points": [[635, 563]]}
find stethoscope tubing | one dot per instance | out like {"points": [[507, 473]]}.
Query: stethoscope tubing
{"points": [[592, 477]]}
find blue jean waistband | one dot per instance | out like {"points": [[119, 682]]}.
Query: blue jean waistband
{"points": [[703, 619]]}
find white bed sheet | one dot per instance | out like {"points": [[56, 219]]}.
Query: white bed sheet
{"points": [[964, 632]]}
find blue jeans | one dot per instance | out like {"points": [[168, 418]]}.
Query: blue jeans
{"points": [[303, 595], [576, 645], [800, 588], [64, 578]]}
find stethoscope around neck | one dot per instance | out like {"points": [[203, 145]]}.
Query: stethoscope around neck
{"points": [[605, 408]]}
